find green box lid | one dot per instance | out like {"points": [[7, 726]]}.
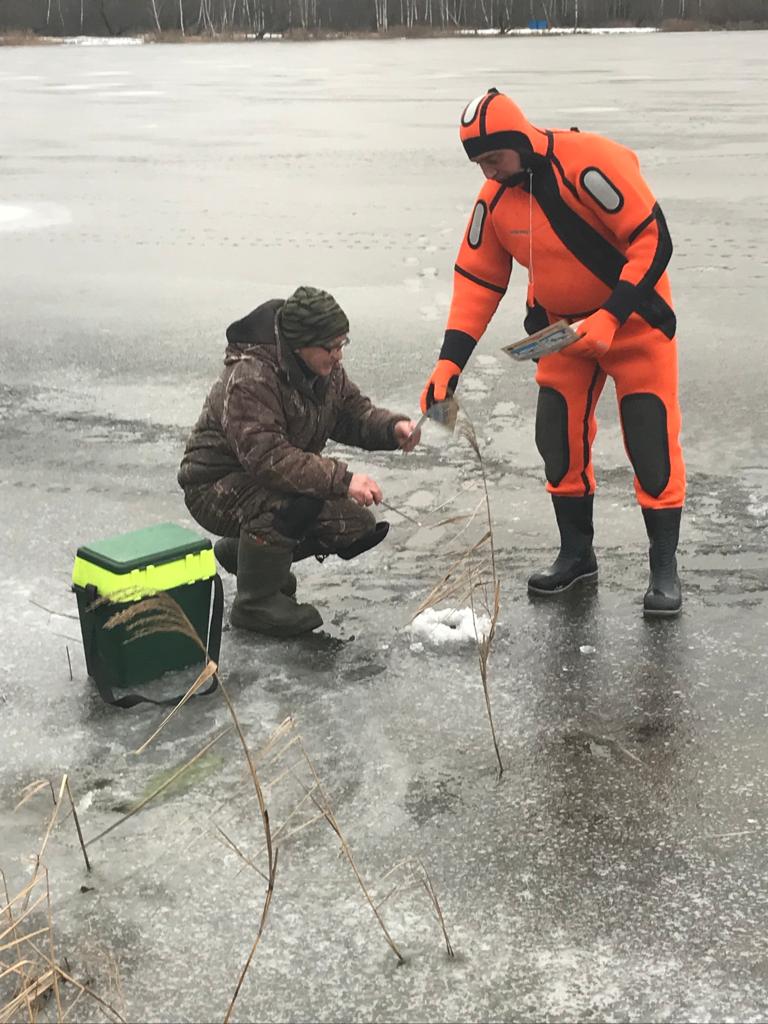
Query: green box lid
{"points": [[154, 545]]}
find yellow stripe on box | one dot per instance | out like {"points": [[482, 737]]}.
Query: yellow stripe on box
{"points": [[150, 579]]}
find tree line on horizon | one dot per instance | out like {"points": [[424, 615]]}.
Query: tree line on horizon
{"points": [[259, 17]]}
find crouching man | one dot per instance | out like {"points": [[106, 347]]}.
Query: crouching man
{"points": [[253, 471]]}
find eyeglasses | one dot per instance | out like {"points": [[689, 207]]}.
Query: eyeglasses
{"points": [[338, 345]]}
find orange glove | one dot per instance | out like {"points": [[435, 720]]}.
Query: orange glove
{"points": [[595, 335], [442, 383]]}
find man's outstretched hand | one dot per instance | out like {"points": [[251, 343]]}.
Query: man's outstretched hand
{"points": [[407, 434], [364, 489]]}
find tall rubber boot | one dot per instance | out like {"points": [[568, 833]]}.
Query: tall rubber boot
{"points": [[664, 595], [225, 550], [260, 605], [576, 560]]}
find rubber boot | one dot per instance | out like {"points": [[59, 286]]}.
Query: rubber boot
{"points": [[225, 550], [576, 561], [260, 605], [664, 595]]}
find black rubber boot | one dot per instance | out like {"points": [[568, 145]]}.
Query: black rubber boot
{"points": [[576, 561], [664, 596], [225, 550], [260, 605]]}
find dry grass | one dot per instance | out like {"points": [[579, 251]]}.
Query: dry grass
{"points": [[32, 972], [284, 763], [473, 578]]}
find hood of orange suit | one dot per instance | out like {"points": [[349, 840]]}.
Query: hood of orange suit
{"points": [[494, 121]]}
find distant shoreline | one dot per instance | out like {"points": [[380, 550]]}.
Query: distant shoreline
{"points": [[30, 38]]}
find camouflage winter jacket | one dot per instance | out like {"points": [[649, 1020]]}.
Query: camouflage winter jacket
{"points": [[264, 415]]}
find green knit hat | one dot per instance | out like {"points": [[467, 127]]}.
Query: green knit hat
{"points": [[311, 317]]}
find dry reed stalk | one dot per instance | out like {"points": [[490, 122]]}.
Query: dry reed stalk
{"points": [[257, 940], [52, 960], [271, 852], [430, 890], [467, 429], [327, 811], [79, 830], [160, 788], [33, 789], [417, 878], [453, 497], [90, 993], [32, 991], [23, 938], [434, 595], [209, 670], [483, 653], [161, 613], [236, 849]]}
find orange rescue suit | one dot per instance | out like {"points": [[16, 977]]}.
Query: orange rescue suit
{"points": [[582, 220]]}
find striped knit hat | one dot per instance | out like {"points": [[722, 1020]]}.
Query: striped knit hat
{"points": [[311, 317]]}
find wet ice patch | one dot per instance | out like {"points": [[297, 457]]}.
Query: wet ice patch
{"points": [[15, 217], [450, 626]]}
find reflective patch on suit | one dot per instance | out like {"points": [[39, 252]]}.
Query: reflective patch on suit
{"points": [[602, 190], [470, 111], [644, 421], [475, 233], [552, 434]]}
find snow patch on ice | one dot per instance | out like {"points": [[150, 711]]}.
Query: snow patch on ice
{"points": [[449, 626], [36, 215], [94, 40]]}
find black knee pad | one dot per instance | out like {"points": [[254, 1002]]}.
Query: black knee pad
{"points": [[297, 515], [552, 434], [644, 421]]}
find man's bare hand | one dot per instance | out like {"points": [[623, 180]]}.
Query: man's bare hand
{"points": [[407, 434], [364, 490]]}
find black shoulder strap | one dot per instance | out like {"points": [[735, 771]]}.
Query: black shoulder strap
{"points": [[130, 700]]}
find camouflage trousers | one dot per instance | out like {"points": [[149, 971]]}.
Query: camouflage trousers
{"points": [[235, 503]]}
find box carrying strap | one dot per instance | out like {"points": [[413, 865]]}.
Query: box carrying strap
{"points": [[130, 700]]}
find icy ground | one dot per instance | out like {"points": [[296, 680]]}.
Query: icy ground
{"points": [[617, 870]]}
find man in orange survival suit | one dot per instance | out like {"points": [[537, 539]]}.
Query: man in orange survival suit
{"points": [[575, 210]]}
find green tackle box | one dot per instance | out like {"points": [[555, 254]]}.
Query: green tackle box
{"points": [[112, 574]]}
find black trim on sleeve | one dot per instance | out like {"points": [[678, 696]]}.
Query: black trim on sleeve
{"points": [[642, 226], [663, 253], [568, 184], [627, 298], [478, 280], [458, 347], [622, 301]]}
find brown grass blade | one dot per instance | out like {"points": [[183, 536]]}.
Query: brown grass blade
{"points": [[209, 670], [156, 792], [32, 790]]}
